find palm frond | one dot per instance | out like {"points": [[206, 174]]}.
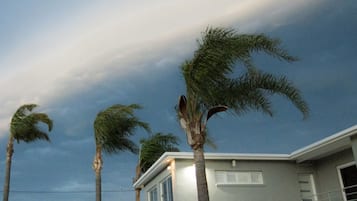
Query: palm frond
{"points": [[111, 147], [215, 110], [22, 110], [240, 96], [208, 74], [154, 146], [271, 84], [220, 48], [24, 124], [35, 135], [113, 127], [42, 118], [250, 43]]}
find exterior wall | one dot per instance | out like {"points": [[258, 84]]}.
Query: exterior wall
{"points": [[327, 179], [280, 181], [185, 181]]}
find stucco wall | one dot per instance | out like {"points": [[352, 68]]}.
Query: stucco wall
{"points": [[327, 179], [280, 181]]}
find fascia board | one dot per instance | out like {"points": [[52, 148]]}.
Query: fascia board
{"points": [[160, 164], [150, 171], [230, 156], [324, 142], [247, 156]]}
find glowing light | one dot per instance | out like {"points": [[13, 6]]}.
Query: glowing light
{"points": [[189, 171]]}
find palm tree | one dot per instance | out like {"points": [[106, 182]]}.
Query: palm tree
{"points": [[112, 128], [151, 149], [23, 127], [212, 86]]}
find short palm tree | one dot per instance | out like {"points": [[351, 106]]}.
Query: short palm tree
{"points": [[24, 127], [112, 129], [151, 150], [213, 86]]}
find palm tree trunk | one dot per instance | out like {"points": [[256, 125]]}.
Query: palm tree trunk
{"points": [[137, 176], [98, 186], [97, 166], [9, 152], [201, 181], [137, 194]]}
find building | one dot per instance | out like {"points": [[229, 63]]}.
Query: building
{"points": [[323, 171]]}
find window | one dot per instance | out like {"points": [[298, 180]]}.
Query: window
{"points": [[166, 189], [153, 194], [239, 177], [348, 180]]}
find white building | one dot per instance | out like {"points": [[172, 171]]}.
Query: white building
{"points": [[323, 171]]}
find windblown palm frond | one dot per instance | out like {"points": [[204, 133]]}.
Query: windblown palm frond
{"points": [[252, 91], [113, 126], [154, 146], [24, 124], [208, 74]]}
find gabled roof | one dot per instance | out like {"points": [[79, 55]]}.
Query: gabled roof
{"points": [[327, 146]]}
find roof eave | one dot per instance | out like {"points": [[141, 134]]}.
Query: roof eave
{"points": [[324, 142]]}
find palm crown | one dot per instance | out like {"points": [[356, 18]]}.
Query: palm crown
{"points": [[153, 147], [113, 126], [208, 74], [212, 86], [24, 124]]}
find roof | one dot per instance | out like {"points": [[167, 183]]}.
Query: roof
{"points": [[327, 146]]}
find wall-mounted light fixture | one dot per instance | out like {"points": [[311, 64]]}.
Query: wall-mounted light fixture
{"points": [[233, 163]]}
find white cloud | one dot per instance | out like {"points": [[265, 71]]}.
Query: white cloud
{"points": [[74, 185], [105, 40], [78, 143], [46, 152], [4, 125]]}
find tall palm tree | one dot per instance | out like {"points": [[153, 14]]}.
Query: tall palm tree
{"points": [[112, 129], [24, 127], [212, 86], [151, 149]]}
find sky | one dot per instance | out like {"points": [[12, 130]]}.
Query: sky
{"points": [[75, 58]]}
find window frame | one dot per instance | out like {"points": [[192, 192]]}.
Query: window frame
{"points": [[152, 189], [339, 168], [163, 185], [236, 181]]}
